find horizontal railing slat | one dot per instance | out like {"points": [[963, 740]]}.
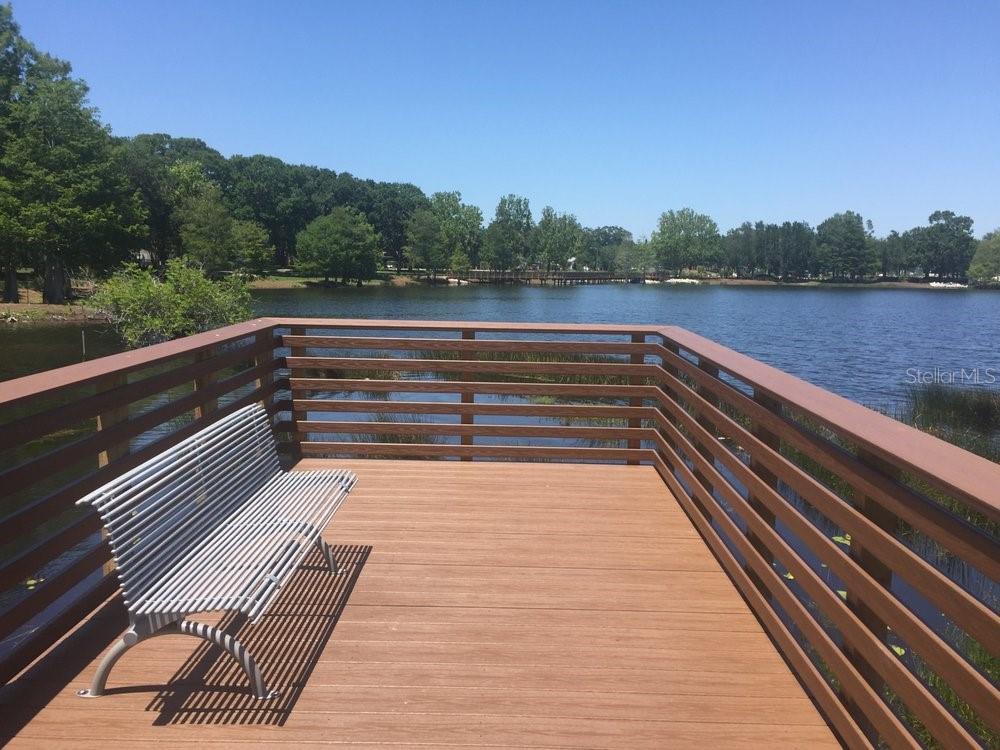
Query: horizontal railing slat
{"points": [[373, 343], [485, 430], [483, 387], [470, 365], [51, 589], [316, 448], [27, 563], [439, 407], [42, 638]]}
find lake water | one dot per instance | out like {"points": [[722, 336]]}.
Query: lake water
{"points": [[865, 344]]}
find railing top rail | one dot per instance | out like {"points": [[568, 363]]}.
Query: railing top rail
{"points": [[460, 325], [973, 479], [51, 381]]}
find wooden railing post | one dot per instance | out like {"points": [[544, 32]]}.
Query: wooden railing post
{"points": [[881, 574], [672, 371], [205, 381], [110, 417], [637, 358], [295, 437], [708, 451], [772, 441], [468, 395], [105, 420]]}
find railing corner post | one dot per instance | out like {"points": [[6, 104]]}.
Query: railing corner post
{"points": [[468, 396], [772, 441], [636, 358]]}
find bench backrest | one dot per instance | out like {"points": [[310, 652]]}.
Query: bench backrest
{"points": [[160, 510]]}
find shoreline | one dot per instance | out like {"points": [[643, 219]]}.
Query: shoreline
{"points": [[278, 282], [75, 313]]}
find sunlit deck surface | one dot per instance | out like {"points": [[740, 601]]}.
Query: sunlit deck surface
{"points": [[483, 605]]}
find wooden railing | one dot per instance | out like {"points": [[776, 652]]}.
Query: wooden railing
{"points": [[867, 549]]}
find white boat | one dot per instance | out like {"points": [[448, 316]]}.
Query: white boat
{"points": [[947, 285]]}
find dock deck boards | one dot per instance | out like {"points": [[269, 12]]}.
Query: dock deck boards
{"points": [[482, 605]]}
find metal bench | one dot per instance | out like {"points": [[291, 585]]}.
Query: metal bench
{"points": [[212, 524]]}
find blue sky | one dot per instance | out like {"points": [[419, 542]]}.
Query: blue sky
{"points": [[612, 111]]}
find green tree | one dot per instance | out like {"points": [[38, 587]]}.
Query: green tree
{"points": [[685, 239], [985, 266], [253, 253], [507, 242], [164, 171], [266, 190], [391, 206], [461, 224], [17, 58], [64, 196], [634, 257], [844, 248], [74, 205], [426, 246], [459, 263], [600, 246], [738, 250], [206, 231], [895, 256], [557, 238], [146, 310], [341, 245], [948, 244]]}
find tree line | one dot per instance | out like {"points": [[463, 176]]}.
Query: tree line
{"points": [[74, 197]]}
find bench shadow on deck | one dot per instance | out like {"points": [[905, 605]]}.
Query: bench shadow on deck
{"points": [[557, 605]]}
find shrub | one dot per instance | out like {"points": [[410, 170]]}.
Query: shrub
{"points": [[146, 310]]}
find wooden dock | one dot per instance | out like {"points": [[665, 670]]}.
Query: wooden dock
{"points": [[483, 605]]}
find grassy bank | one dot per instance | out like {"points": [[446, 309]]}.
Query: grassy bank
{"points": [[22, 313]]}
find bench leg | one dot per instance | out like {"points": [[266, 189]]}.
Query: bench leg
{"points": [[327, 553], [136, 634]]}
